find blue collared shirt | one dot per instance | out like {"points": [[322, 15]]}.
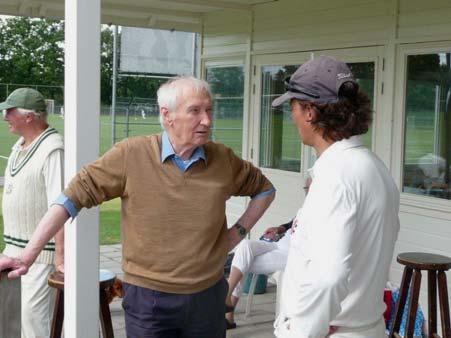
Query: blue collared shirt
{"points": [[167, 152]]}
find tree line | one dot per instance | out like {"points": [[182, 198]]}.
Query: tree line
{"points": [[32, 53]]}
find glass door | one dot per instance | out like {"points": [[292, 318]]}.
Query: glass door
{"points": [[280, 153], [279, 141], [227, 86]]}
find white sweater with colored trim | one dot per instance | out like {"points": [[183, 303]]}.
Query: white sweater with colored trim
{"points": [[25, 196]]}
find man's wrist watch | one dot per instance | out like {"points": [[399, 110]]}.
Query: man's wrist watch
{"points": [[241, 230]]}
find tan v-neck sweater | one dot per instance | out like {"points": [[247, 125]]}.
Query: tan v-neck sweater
{"points": [[174, 228]]}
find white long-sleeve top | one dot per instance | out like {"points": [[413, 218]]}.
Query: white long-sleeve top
{"points": [[341, 250]]}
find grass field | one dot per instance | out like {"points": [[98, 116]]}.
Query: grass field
{"points": [[2, 244], [110, 230], [227, 131]]}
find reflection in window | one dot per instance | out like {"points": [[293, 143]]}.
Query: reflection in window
{"points": [[364, 75], [227, 85], [427, 144], [280, 147]]}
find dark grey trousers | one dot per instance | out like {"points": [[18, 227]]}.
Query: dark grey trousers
{"points": [[155, 314]]}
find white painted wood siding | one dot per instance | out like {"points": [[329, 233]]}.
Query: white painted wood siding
{"points": [[424, 20], [318, 24], [295, 25], [290, 26], [226, 32]]}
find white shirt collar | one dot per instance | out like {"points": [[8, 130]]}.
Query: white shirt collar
{"points": [[352, 142]]}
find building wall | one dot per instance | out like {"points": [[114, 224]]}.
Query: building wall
{"points": [[226, 31], [292, 25], [424, 20], [310, 25], [287, 27]]}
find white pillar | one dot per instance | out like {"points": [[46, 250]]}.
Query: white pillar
{"points": [[81, 125]]}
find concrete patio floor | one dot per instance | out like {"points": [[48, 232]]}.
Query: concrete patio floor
{"points": [[258, 325]]}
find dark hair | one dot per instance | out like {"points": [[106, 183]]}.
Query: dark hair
{"points": [[350, 116]]}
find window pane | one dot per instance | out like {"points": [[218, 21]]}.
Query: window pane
{"points": [[280, 147], [427, 139], [364, 75], [227, 85]]}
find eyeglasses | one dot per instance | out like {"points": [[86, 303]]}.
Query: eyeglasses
{"points": [[297, 89]]}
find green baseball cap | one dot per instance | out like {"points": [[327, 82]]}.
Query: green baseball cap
{"points": [[25, 98]]}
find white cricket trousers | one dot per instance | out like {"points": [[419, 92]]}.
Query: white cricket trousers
{"points": [[38, 300], [260, 257]]}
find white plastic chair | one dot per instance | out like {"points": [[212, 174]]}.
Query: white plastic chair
{"points": [[278, 277]]}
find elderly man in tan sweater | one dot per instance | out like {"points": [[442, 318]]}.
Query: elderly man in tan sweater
{"points": [[173, 187]]}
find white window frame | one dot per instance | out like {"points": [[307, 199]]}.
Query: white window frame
{"points": [[366, 54], [234, 62], [259, 62], [428, 204], [235, 205], [360, 54]]}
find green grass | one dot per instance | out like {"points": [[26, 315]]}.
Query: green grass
{"points": [[6, 142], [110, 232], [7, 139], [2, 244], [232, 136], [110, 229], [110, 218]]}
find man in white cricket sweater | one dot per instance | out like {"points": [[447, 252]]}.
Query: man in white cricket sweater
{"points": [[33, 180]]}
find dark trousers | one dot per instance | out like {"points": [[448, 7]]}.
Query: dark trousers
{"points": [[155, 314]]}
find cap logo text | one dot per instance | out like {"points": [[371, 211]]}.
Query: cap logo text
{"points": [[343, 75]]}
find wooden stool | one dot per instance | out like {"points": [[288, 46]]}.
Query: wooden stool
{"points": [[436, 265], [106, 279]]}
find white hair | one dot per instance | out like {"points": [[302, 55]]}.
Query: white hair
{"points": [[169, 93], [42, 115]]}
